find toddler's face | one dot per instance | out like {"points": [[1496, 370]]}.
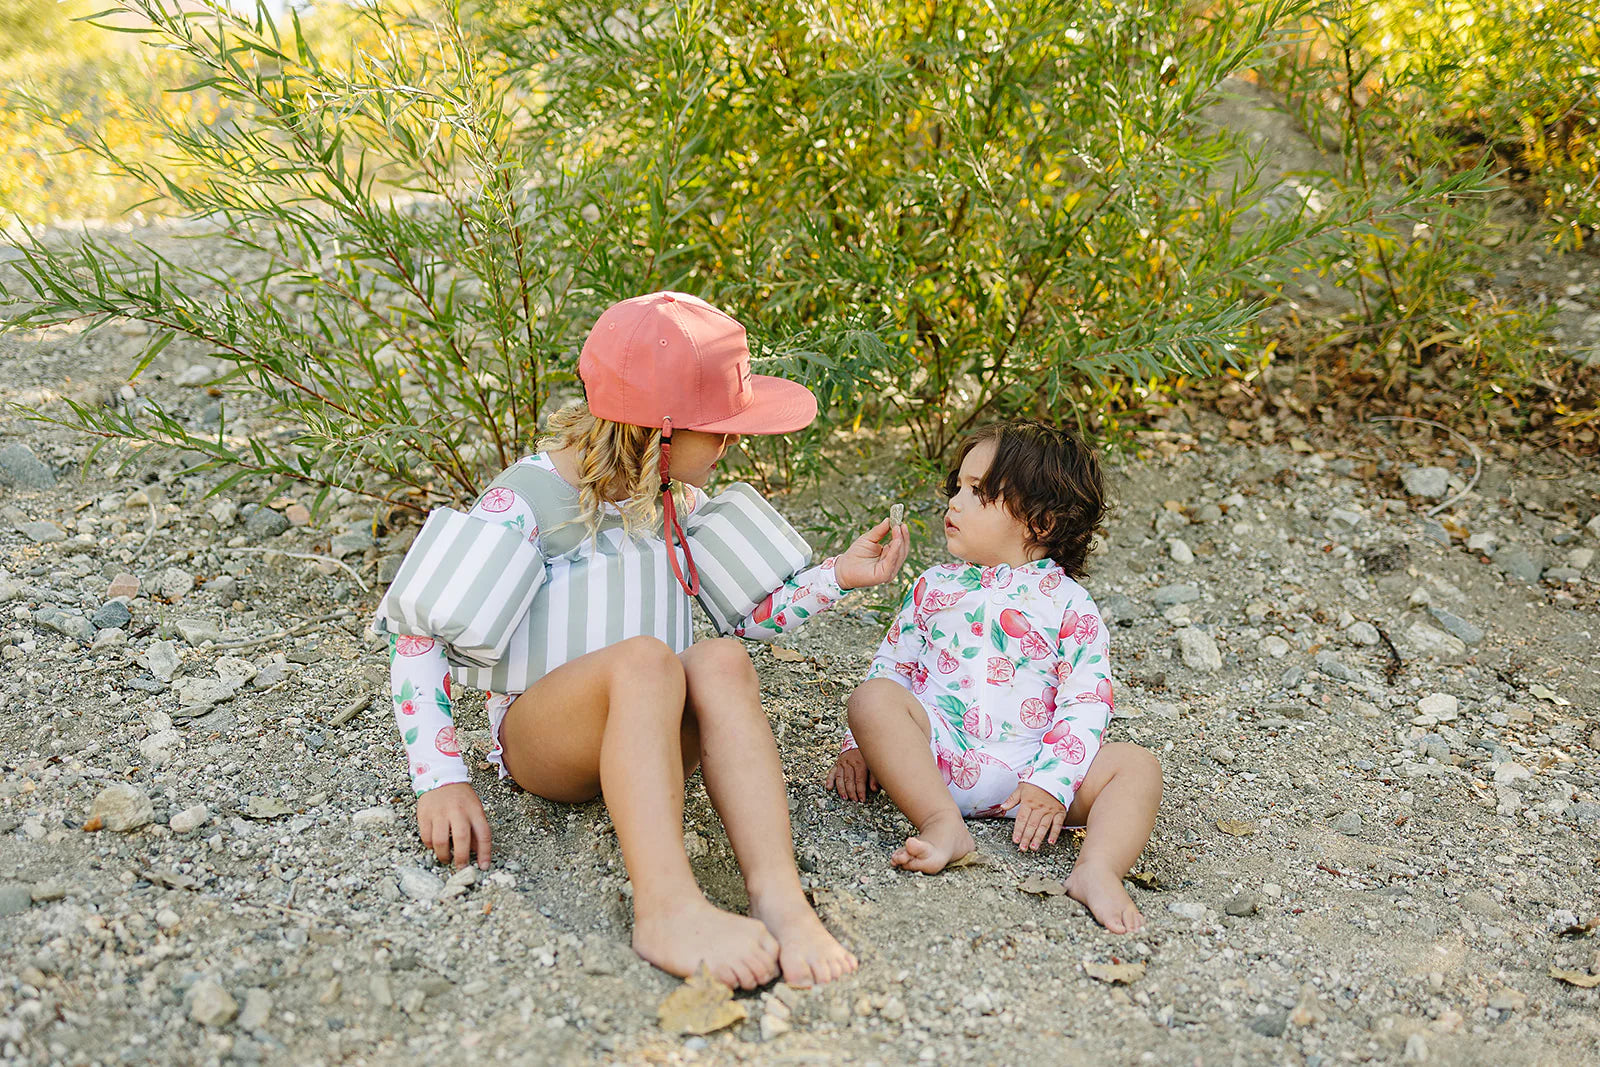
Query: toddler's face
{"points": [[985, 534], [695, 455]]}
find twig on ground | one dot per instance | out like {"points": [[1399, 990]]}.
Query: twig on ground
{"points": [[351, 710], [1395, 665], [305, 555], [290, 632], [1477, 457]]}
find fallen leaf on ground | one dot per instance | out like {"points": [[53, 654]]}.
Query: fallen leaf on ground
{"points": [[93, 823], [1117, 973], [1581, 979], [170, 879], [1236, 827], [1146, 880], [699, 1006], [1546, 693], [1582, 929], [1042, 886], [787, 655], [971, 859]]}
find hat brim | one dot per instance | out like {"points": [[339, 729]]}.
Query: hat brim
{"points": [[780, 406]]}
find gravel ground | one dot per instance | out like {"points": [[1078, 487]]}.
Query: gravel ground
{"points": [[1364, 854]]}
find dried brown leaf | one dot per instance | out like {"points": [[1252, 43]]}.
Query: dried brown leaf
{"points": [[1236, 827], [1042, 886], [787, 655], [971, 859], [1117, 973], [699, 1006], [1581, 979], [1583, 929], [1147, 880]]}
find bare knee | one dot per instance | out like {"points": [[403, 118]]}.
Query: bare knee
{"points": [[1132, 760], [648, 659], [718, 659], [871, 699]]}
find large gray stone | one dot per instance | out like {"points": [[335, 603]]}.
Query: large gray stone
{"points": [[210, 1004], [418, 884], [112, 615], [21, 469], [15, 898], [1199, 650], [74, 626], [42, 533], [1178, 593], [1428, 482], [262, 523], [1518, 562], [160, 659], [1456, 625]]}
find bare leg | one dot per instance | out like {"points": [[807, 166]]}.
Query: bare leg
{"points": [[1117, 803], [744, 779], [613, 722], [892, 730]]}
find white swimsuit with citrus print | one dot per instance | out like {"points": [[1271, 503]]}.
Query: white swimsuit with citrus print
{"points": [[1011, 665], [420, 675]]}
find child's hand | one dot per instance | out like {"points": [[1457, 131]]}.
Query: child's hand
{"points": [[874, 557], [1040, 816], [850, 777], [450, 821]]}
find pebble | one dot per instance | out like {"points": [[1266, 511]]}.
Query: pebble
{"points": [[1180, 551], [262, 523], [109, 639], [1329, 663], [210, 1004], [1241, 904], [160, 659], [1271, 1024], [418, 884], [1510, 771], [42, 533], [1179, 593], [1188, 909], [1440, 707], [1517, 562], [9, 588], [197, 631], [1431, 483], [1273, 646], [1486, 543], [1362, 634], [21, 469], [1348, 824], [373, 816], [189, 819], [112, 615], [123, 585], [1455, 625], [1345, 517], [122, 807], [1481, 904], [74, 626], [1199, 650], [172, 584], [166, 918], [15, 898], [224, 512], [1424, 640]]}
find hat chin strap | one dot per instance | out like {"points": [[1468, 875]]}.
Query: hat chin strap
{"points": [[671, 527]]}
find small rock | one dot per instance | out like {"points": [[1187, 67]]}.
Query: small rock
{"points": [[210, 1004], [1345, 517], [1517, 562], [166, 918], [1423, 640], [204, 692], [1241, 904], [1223, 754], [1440, 707], [172, 584], [1348, 824], [1199, 650], [1180, 551], [379, 816], [159, 747], [122, 807], [1329, 663], [21, 469], [1508, 1000], [42, 533], [1272, 1024], [189, 819], [418, 884], [1431, 483], [297, 514], [1510, 771], [466, 876], [1580, 558], [1362, 634], [262, 523], [1187, 909], [1484, 543], [1454, 624], [224, 512], [112, 615], [109, 639], [774, 1025], [160, 659], [1168, 595], [235, 671], [1163, 711], [15, 898], [1481, 904], [1273, 647], [350, 542], [74, 626], [197, 631], [225, 588], [1416, 1049]]}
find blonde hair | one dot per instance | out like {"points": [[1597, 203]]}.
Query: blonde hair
{"points": [[617, 463]]}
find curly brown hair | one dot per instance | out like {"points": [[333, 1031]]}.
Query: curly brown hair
{"points": [[1049, 479]]}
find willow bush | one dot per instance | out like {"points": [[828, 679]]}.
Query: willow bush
{"points": [[932, 213]]}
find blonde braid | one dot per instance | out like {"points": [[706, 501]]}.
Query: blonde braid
{"points": [[617, 463]]}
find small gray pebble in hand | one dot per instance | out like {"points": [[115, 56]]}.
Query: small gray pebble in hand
{"points": [[897, 514]]}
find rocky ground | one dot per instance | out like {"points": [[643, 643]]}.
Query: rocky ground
{"points": [[1368, 665]]}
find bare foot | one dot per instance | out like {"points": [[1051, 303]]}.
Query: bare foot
{"points": [[678, 938], [943, 839], [1102, 893], [807, 953]]}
